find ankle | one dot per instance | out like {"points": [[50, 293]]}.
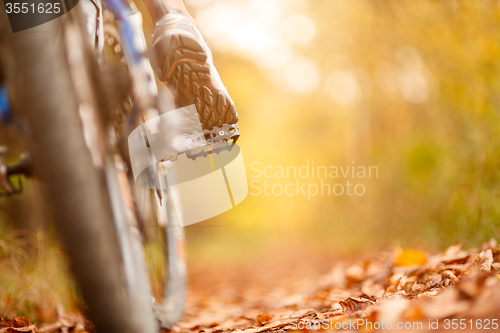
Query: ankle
{"points": [[177, 6]]}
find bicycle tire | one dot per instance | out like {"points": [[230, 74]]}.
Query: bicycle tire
{"points": [[169, 308], [77, 188]]}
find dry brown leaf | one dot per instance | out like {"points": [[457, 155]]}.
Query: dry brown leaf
{"points": [[394, 286], [407, 287], [447, 274], [455, 283], [355, 273], [459, 258], [353, 304], [453, 250], [16, 322], [369, 297], [51, 327], [486, 259], [30, 329]]}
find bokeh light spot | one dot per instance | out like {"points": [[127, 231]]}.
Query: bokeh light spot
{"points": [[343, 88], [302, 75], [275, 56], [414, 86], [299, 28]]}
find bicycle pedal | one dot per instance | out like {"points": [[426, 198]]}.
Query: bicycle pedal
{"points": [[24, 167], [214, 141]]}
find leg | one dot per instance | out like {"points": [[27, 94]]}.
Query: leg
{"points": [[183, 60], [158, 8]]}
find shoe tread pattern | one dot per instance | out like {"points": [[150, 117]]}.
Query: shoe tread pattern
{"points": [[187, 73]]}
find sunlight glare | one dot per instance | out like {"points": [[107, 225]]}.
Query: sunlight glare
{"points": [[343, 88], [275, 56], [251, 28], [217, 21], [299, 28], [302, 76], [199, 3], [413, 85]]}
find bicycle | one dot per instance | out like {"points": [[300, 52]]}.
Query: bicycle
{"points": [[80, 100]]}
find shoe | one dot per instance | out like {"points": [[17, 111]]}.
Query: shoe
{"points": [[182, 58]]}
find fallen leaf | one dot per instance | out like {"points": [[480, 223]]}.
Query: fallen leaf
{"points": [[21, 322], [486, 259], [447, 274], [18, 329], [355, 273], [453, 250], [410, 257], [371, 298], [394, 286], [263, 319], [407, 287], [458, 258], [353, 304]]}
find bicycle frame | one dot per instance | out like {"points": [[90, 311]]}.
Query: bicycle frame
{"points": [[145, 92]]}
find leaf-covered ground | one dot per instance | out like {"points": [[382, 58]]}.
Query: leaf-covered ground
{"points": [[408, 287]]}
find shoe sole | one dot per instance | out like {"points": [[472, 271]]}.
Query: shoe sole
{"points": [[183, 66]]}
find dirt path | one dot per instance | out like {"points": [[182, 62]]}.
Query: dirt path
{"points": [[409, 290]]}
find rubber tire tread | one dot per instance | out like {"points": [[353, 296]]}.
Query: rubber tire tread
{"points": [[78, 195]]}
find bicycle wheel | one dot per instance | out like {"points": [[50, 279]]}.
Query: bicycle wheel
{"points": [[165, 253], [162, 237], [77, 173]]}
